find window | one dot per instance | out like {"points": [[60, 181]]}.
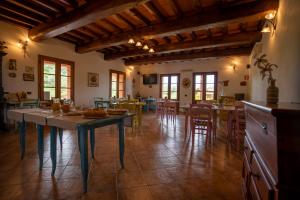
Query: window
{"points": [[205, 86], [56, 78], [117, 84], [169, 86]]}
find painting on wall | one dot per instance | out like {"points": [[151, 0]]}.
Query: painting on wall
{"points": [[12, 74], [28, 77], [12, 64], [93, 79], [29, 70]]}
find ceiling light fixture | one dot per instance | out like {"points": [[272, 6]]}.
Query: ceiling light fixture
{"points": [[151, 50], [131, 41], [145, 47], [138, 44]]}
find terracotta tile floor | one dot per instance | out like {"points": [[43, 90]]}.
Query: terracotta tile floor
{"points": [[159, 164]]}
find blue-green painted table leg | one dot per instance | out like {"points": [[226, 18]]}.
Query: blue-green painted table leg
{"points": [[60, 133], [83, 156], [78, 139], [53, 136], [40, 129], [121, 142], [92, 139], [22, 132]]}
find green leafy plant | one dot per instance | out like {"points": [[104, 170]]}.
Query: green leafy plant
{"points": [[265, 67]]}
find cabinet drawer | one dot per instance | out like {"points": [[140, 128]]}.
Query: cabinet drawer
{"points": [[248, 151], [260, 130], [264, 188], [253, 192]]}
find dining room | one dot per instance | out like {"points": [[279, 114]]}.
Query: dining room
{"points": [[149, 99]]}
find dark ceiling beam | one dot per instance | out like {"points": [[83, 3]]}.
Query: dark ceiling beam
{"points": [[14, 22], [224, 41], [50, 5], [155, 10], [33, 8], [207, 18], [128, 22], [189, 56], [12, 16], [88, 13], [22, 12], [141, 16]]}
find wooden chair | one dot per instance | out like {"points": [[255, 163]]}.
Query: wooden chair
{"points": [[171, 110], [201, 119], [239, 125], [160, 109]]}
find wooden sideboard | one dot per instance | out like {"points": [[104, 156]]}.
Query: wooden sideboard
{"points": [[271, 167]]}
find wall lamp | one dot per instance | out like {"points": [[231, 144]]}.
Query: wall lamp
{"points": [[23, 44], [270, 23]]}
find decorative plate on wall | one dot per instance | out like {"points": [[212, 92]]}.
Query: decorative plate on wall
{"points": [[186, 82]]}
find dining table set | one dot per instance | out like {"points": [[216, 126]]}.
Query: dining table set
{"points": [[59, 121], [215, 109]]}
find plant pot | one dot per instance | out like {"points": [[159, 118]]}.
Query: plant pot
{"points": [[272, 93]]}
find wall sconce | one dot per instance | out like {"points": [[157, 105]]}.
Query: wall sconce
{"points": [[24, 44], [270, 24], [234, 67]]}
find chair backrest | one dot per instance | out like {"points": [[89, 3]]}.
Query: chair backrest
{"points": [[30, 104], [201, 112]]}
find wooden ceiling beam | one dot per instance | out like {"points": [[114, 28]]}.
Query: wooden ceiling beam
{"points": [[12, 16], [49, 5], [150, 5], [32, 7], [15, 22], [208, 18], [189, 56], [141, 16], [22, 12], [229, 40], [128, 22], [86, 14]]}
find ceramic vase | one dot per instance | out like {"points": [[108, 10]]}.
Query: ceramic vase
{"points": [[272, 93]]}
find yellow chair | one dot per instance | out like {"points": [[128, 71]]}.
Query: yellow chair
{"points": [[227, 101]]}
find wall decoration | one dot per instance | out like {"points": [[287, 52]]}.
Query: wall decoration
{"points": [[243, 83], [12, 64], [12, 74], [226, 83], [28, 77], [246, 77], [93, 79], [266, 70], [29, 69], [186, 82]]}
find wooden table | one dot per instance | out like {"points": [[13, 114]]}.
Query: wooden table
{"points": [[215, 109], [57, 121]]}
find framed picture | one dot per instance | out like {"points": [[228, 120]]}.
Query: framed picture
{"points": [[12, 64], [12, 74], [29, 70], [93, 79], [28, 77]]}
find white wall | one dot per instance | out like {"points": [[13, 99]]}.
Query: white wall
{"points": [[282, 49], [222, 65], [84, 63]]}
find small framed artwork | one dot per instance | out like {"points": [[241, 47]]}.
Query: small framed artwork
{"points": [[28, 77], [93, 79], [12, 74], [12, 64], [29, 70]]}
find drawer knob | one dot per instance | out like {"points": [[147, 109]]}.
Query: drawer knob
{"points": [[255, 175], [264, 126]]}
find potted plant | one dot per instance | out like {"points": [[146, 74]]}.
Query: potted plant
{"points": [[266, 70]]}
